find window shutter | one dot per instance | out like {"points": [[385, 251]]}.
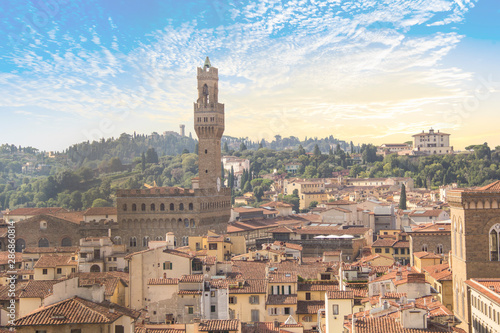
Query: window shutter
{"points": [[164, 266]]}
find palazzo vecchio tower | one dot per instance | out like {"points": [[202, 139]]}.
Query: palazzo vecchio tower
{"points": [[148, 214]]}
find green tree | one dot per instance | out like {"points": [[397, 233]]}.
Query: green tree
{"points": [[151, 156], [143, 161], [258, 192], [313, 204], [100, 203], [243, 147], [402, 197], [115, 164], [226, 148]]}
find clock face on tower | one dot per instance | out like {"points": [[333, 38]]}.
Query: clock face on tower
{"points": [[218, 184]]}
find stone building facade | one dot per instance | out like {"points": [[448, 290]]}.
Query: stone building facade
{"points": [[475, 244], [148, 214]]}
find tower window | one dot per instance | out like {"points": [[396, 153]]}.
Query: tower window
{"points": [[181, 206], [171, 206], [206, 171], [153, 208], [162, 207], [206, 151], [495, 242], [134, 207], [143, 207]]}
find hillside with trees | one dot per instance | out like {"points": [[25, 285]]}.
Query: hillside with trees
{"points": [[87, 174]]}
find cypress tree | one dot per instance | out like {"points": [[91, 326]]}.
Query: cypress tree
{"points": [[402, 198]]}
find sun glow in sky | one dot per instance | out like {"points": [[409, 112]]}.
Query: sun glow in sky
{"points": [[370, 71]]}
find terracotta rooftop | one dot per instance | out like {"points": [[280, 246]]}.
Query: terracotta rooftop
{"points": [[4, 257], [250, 287], [387, 324], [426, 255], [309, 307], [281, 299], [60, 249], [488, 287], [282, 277], [426, 213], [75, 310], [219, 325], [38, 289], [493, 187], [337, 294], [54, 260], [384, 242], [33, 211], [440, 272], [193, 278]]}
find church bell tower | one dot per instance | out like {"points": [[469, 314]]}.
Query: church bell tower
{"points": [[209, 127]]}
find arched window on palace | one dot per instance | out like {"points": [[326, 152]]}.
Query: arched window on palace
{"points": [[424, 247], [181, 206], [134, 207], [43, 242], [162, 207], [495, 242], [66, 241], [133, 242], [145, 241], [118, 240], [439, 249], [190, 206], [153, 207], [143, 207], [171, 206], [124, 207]]}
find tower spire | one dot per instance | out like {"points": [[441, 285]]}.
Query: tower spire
{"points": [[207, 63]]}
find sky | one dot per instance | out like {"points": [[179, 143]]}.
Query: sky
{"points": [[367, 71]]}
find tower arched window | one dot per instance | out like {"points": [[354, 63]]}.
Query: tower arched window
{"points": [[133, 242], [190, 206], [494, 237], [134, 207], [439, 249], [162, 207], [153, 207], [66, 241], [43, 242], [181, 206], [118, 240], [124, 207], [460, 236], [143, 207], [424, 247], [171, 206], [145, 241], [186, 223]]}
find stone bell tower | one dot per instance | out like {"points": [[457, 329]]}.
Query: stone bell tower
{"points": [[209, 127]]}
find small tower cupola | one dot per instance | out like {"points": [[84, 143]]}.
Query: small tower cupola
{"points": [[207, 65]]}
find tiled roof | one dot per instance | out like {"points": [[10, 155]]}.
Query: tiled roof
{"points": [[495, 186], [38, 289], [439, 272], [250, 287], [54, 260], [34, 211], [336, 294], [426, 213], [189, 292], [163, 282], [317, 286], [193, 278], [100, 211], [281, 299], [401, 244], [75, 310], [5, 291], [4, 257], [158, 330], [384, 242], [60, 249], [426, 255], [309, 307], [282, 277], [488, 287], [332, 253], [394, 295], [385, 325], [219, 325]]}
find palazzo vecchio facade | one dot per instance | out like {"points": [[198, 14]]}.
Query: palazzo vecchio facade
{"points": [[148, 214]]}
